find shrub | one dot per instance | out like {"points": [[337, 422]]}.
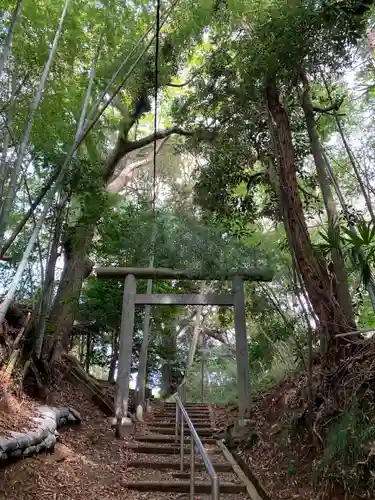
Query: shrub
{"points": [[349, 441]]}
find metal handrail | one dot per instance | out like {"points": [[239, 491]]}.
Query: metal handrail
{"points": [[194, 442]]}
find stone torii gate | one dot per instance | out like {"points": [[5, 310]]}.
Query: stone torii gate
{"points": [[130, 299]]}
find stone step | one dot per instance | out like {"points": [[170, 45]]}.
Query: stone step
{"points": [[200, 418], [181, 475], [199, 424], [188, 406], [170, 418], [183, 486], [171, 411], [170, 430], [170, 439], [219, 467], [170, 425], [166, 450]]}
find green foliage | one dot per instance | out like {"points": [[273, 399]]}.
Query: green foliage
{"points": [[220, 385], [349, 440], [220, 379], [181, 241], [282, 364]]}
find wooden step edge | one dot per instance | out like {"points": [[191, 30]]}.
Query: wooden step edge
{"points": [[249, 486], [199, 423], [170, 450], [171, 432], [183, 486], [189, 410], [171, 425], [157, 418], [173, 413], [202, 418], [187, 405], [219, 467], [249, 474], [170, 439]]}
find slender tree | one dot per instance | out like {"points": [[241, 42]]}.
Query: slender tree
{"points": [[341, 286]]}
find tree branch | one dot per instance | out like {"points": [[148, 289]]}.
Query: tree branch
{"points": [[335, 106], [119, 151], [121, 107], [161, 134], [127, 172], [178, 85]]}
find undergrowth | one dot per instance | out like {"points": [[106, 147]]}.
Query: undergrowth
{"points": [[283, 363], [349, 449]]}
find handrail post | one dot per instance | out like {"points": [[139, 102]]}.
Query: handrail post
{"points": [[194, 442], [182, 444], [176, 424], [215, 488], [192, 472]]}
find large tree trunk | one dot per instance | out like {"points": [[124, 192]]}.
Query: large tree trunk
{"points": [[342, 291], [76, 268], [314, 274]]}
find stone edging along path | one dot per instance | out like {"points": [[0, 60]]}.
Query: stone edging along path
{"points": [[30, 442]]}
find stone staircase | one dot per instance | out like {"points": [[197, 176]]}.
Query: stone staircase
{"points": [[155, 458]]}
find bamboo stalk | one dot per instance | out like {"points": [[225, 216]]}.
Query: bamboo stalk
{"points": [[12, 189], [22, 265], [8, 39]]}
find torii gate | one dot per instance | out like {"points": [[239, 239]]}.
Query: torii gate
{"points": [[130, 299]]}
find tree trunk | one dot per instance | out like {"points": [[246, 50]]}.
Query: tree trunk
{"points": [[8, 39], [167, 370], [142, 366], [198, 323], [125, 355], [342, 286], [81, 349], [47, 291], [318, 285], [76, 268], [350, 154], [88, 352], [202, 345], [114, 358], [5, 162]]}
